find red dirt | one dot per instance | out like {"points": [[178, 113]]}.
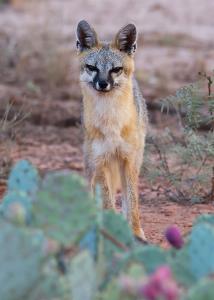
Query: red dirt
{"points": [[2, 190], [45, 151], [158, 214]]}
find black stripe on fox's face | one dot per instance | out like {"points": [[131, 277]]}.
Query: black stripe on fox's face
{"points": [[102, 69], [106, 81], [106, 66]]}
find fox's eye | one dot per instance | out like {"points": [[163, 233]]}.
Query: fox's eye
{"points": [[117, 69], [91, 68]]}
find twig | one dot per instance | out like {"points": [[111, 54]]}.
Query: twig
{"points": [[212, 188], [166, 168], [108, 236], [201, 166], [210, 195], [209, 86]]}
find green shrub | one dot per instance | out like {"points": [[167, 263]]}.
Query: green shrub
{"points": [[183, 164]]}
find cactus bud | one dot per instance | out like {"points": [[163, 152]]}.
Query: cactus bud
{"points": [[174, 237], [128, 285], [17, 213]]}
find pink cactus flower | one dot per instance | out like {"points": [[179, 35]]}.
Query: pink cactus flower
{"points": [[160, 285]]}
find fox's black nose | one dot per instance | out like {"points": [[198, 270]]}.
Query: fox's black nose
{"points": [[103, 84]]}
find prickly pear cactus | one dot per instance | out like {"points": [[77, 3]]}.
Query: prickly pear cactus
{"points": [[91, 238], [24, 177], [112, 292], [196, 259], [200, 249], [151, 257], [64, 210], [83, 277], [90, 241], [125, 285], [205, 219], [116, 225], [21, 260], [202, 291], [180, 265], [16, 207], [23, 183], [51, 285], [44, 263]]}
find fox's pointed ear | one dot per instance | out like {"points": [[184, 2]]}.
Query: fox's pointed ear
{"points": [[126, 39], [86, 36]]}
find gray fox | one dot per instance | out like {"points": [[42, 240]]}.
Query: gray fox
{"points": [[114, 118]]}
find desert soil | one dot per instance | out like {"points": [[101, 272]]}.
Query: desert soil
{"points": [[174, 45]]}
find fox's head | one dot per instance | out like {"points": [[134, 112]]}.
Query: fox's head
{"points": [[105, 67]]}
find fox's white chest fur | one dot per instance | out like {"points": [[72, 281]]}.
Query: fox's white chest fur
{"points": [[110, 117]]}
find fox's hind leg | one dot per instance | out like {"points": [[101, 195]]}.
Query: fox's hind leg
{"points": [[129, 180]]}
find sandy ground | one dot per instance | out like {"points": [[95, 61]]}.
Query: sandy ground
{"points": [[175, 42]]}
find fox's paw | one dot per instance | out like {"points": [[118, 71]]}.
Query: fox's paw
{"points": [[140, 236]]}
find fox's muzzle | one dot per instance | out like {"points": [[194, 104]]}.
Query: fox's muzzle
{"points": [[102, 86]]}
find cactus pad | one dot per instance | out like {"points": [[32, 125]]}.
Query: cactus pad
{"points": [[17, 207], [64, 210], [202, 291], [82, 276], [116, 225], [24, 177], [21, 259], [201, 250]]}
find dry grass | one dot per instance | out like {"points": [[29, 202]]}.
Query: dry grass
{"points": [[42, 57], [10, 123], [39, 58]]}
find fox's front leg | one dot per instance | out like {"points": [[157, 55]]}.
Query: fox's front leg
{"points": [[103, 179], [129, 174]]}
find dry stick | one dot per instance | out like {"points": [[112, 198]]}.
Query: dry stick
{"points": [[184, 144], [210, 196], [199, 170], [211, 113], [212, 188], [108, 236], [163, 158], [212, 129], [202, 164]]}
